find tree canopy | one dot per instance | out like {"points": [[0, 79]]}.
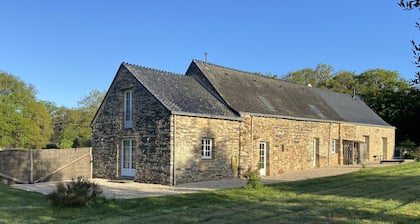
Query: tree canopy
{"points": [[24, 121], [28, 123], [394, 99], [72, 126]]}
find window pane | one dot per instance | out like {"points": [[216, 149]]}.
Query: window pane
{"points": [[206, 148], [128, 109]]}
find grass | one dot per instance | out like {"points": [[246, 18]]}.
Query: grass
{"points": [[380, 195]]}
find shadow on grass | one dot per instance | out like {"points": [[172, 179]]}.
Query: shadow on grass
{"points": [[388, 183], [385, 195], [251, 206]]}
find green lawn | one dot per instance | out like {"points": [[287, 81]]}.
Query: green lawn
{"points": [[381, 195]]}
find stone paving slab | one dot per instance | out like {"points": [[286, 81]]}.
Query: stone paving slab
{"points": [[130, 189]]}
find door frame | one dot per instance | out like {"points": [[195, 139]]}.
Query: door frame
{"points": [[127, 167], [315, 155], [262, 162]]}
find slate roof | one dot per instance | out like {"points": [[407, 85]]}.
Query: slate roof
{"points": [[179, 93], [351, 109], [252, 93], [255, 94]]}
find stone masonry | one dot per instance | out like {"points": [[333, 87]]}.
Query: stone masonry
{"points": [[189, 165], [291, 142], [167, 143], [150, 133]]}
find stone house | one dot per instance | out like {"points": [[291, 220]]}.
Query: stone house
{"points": [[216, 123]]}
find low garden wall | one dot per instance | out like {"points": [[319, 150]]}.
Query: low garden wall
{"points": [[40, 165]]}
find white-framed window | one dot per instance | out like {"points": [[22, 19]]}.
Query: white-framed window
{"points": [[128, 109], [334, 146], [206, 148]]}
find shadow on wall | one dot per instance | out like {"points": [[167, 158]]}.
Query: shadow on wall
{"points": [[191, 166]]}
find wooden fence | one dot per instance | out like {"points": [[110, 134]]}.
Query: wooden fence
{"points": [[39, 165]]}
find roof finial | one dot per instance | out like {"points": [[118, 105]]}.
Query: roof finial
{"points": [[205, 57]]}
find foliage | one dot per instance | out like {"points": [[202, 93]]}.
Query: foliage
{"points": [[73, 194], [396, 100], [379, 195], [72, 126], [253, 179], [410, 5], [28, 123], [319, 77], [24, 121], [413, 154], [92, 101]]}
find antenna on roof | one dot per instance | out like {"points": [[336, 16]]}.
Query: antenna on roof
{"points": [[205, 57], [354, 94]]}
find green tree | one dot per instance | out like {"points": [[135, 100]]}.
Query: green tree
{"points": [[24, 121], [344, 82], [319, 77], [391, 97], [92, 101], [87, 110], [72, 126], [394, 99]]}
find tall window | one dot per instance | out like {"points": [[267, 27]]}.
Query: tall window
{"points": [[128, 109], [206, 148], [334, 145]]}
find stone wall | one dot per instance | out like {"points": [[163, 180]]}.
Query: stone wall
{"points": [[376, 136], [150, 133], [291, 142], [225, 138], [48, 164]]}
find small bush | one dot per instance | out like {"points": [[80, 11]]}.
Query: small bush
{"points": [[74, 194], [253, 179], [412, 155]]}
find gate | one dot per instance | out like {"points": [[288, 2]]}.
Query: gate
{"points": [[354, 152], [348, 152]]}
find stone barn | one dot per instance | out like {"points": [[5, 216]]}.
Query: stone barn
{"points": [[217, 123]]}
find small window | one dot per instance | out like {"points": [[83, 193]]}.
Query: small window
{"points": [[206, 148], [334, 146], [128, 109]]}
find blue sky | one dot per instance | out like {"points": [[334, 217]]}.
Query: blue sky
{"points": [[68, 48]]}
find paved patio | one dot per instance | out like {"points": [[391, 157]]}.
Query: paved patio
{"points": [[130, 189]]}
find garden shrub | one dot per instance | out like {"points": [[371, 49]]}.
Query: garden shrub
{"points": [[74, 194], [253, 179], [414, 154]]}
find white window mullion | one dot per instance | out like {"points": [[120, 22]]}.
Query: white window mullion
{"points": [[128, 109], [206, 148]]}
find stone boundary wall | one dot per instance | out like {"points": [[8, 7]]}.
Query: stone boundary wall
{"points": [[47, 165]]}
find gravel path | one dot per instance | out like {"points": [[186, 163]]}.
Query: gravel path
{"points": [[130, 189]]}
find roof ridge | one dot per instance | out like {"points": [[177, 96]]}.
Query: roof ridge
{"points": [[152, 69], [225, 67], [253, 73]]}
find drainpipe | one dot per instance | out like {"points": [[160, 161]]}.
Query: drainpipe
{"points": [[330, 144], [340, 143], [174, 152]]}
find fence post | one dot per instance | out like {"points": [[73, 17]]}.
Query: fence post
{"points": [[31, 168], [91, 163]]}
